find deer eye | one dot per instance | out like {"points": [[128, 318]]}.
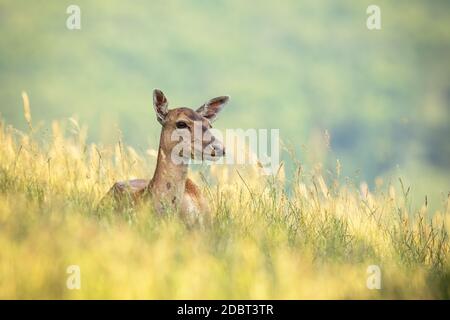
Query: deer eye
{"points": [[181, 125]]}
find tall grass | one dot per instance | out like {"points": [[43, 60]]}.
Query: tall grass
{"points": [[316, 241]]}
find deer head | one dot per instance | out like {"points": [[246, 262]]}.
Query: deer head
{"points": [[186, 134]]}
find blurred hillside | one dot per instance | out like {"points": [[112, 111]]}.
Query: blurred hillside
{"points": [[304, 67]]}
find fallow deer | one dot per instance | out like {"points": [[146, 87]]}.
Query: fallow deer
{"points": [[170, 188]]}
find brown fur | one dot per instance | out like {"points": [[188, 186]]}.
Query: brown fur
{"points": [[170, 188], [137, 189]]}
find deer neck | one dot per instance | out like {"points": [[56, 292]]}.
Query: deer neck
{"points": [[169, 179]]}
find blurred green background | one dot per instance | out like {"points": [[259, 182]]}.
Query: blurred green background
{"points": [[305, 67]]}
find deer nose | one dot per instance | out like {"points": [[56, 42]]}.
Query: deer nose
{"points": [[218, 150]]}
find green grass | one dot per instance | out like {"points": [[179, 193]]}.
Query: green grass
{"points": [[316, 241]]}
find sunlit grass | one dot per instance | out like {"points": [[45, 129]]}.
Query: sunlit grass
{"points": [[316, 241]]}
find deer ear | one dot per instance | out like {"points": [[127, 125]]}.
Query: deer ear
{"points": [[211, 109], [161, 105]]}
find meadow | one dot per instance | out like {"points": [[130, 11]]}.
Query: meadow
{"points": [[363, 116], [315, 239]]}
